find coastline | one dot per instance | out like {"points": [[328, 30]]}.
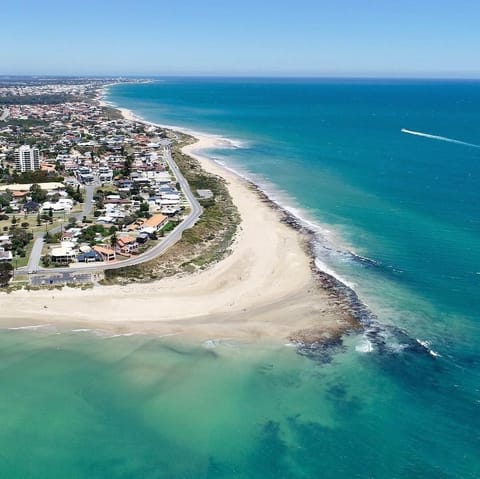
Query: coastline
{"points": [[268, 288]]}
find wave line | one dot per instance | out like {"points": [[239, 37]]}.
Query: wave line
{"points": [[440, 138]]}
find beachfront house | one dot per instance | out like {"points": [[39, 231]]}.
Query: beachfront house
{"points": [[89, 257], [108, 254], [156, 222], [126, 245], [64, 254]]}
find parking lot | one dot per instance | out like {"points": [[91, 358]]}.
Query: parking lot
{"points": [[60, 278]]}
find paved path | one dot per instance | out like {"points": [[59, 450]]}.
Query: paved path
{"points": [[158, 249], [35, 254]]}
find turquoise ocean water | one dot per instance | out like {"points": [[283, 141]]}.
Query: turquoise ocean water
{"points": [[397, 218]]}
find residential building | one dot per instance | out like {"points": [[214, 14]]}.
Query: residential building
{"points": [[64, 254], [107, 253], [155, 222], [27, 159], [5, 255], [126, 245]]}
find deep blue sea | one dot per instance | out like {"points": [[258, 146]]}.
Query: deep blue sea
{"points": [[397, 218]]}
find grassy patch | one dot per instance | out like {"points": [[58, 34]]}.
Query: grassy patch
{"points": [[31, 219]]}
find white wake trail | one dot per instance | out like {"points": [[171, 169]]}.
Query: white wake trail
{"points": [[440, 138]]}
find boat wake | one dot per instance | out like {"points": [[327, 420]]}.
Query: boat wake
{"points": [[439, 138]]}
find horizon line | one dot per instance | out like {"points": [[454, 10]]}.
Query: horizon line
{"points": [[246, 76]]}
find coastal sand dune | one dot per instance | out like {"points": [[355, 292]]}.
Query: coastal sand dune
{"points": [[264, 290]]}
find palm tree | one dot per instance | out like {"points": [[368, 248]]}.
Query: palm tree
{"points": [[113, 240]]}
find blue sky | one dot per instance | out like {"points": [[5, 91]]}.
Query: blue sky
{"points": [[247, 37]]}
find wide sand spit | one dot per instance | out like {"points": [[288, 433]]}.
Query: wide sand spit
{"points": [[266, 289]]}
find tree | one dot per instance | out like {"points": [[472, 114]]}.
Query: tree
{"points": [[37, 194], [6, 273], [39, 220], [113, 240], [75, 194], [78, 195], [14, 220], [127, 166], [59, 166], [144, 210], [20, 239], [46, 260], [5, 199]]}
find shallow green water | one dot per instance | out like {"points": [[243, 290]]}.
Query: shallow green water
{"points": [[78, 405]]}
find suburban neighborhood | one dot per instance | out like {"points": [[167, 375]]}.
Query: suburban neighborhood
{"points": [[80, 185]]}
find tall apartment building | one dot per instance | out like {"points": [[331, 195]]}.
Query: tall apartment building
{"points": [[27, 159]]}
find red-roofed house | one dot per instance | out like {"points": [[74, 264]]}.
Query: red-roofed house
{"points": [[126, 245]]}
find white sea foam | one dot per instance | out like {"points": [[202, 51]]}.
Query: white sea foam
{"points": [[167, 335], [323, 267], [32, 327], [121, 335], [426, 345], [364, 347], [440, 138], [214, 343]]}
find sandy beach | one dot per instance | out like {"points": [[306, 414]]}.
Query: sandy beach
{"points": [[265, 289]]}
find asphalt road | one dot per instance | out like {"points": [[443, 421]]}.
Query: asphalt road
{"points": [[35, 254], [157, 250]]}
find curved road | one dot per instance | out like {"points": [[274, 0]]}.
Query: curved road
{"points": [[157, 250]]}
